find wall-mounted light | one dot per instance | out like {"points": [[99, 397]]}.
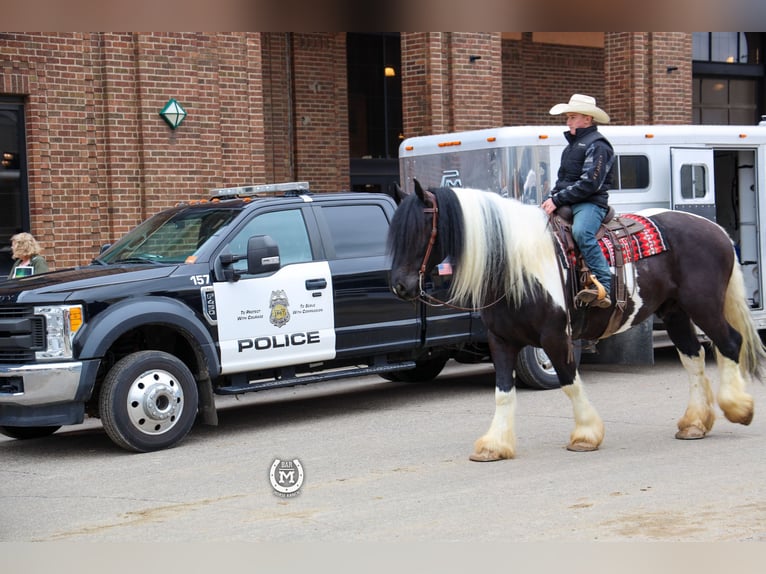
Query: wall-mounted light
{"points": [[173, 113], [473, 59], [389, 72], [670, 69]]}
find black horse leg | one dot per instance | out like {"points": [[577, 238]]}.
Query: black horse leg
{"points": [[699, 417], [499, 442]]}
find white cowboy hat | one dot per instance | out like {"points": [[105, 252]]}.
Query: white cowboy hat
{"points": [[581, 104]]}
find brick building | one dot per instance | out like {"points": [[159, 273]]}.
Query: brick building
{"points": [[86, 155]]}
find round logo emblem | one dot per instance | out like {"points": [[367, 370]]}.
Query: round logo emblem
{"points": [[286, 477]]}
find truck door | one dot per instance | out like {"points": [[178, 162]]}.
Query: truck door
{"points": [[280, 319], [692, 181], [368, 316]]}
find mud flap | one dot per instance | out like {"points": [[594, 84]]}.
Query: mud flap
{"points": [[633, 347]]}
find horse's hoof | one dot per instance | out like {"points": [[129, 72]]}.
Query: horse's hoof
{"points": [[581, 447], [691, 433], [484, 456]]}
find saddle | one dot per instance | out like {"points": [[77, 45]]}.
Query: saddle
{"points": [[614, 232]]}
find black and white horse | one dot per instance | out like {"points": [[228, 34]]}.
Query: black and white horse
{"points": [[505, 263]]}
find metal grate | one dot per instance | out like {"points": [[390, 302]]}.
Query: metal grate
{"points": [[21, 334]]}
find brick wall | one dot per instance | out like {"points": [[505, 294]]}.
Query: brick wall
{"points": [[100, 158], [321, 111], [443, 90], [537, 76], [640, 88]]}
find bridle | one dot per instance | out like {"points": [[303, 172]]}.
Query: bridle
{"points": [[423, 295]]}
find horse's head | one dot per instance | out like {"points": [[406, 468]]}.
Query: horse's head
{"points": [[413, 242]]}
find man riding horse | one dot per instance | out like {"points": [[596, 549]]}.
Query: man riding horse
{"points": [[583, 183]]}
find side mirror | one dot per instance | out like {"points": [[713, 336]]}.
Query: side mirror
{"points": [[262, 255]]}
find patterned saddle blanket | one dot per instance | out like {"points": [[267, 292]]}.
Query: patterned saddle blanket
{"points": [[630, 237]]}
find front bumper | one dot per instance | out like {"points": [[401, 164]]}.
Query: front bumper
{"points": [[42, 394]]}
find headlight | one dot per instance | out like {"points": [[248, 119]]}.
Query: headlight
{"points": [[61, 324]]}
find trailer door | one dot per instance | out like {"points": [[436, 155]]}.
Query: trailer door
{"points": [[692, 181]]}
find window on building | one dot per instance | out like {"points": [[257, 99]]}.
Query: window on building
{"points": [[374, 94], [14, 215], [727, 47], [374, 110], [728, 75]]}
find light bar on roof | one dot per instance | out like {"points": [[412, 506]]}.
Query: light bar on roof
{"points": [[296, 186]]}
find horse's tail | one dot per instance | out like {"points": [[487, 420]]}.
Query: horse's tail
{"points": [[752, 353]]}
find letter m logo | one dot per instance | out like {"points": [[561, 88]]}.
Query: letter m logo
{"points": [[287, 476]]}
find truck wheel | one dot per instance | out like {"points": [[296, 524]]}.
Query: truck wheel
{"points": [[148, 401], [23, 433], [535, 370], [425, 370]]}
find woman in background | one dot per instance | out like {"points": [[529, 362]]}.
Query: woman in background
{"points": [[26, 256]]}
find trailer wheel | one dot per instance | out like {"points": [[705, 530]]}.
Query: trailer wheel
{"points": [[535, 370], [23, 433], [148, 401]]}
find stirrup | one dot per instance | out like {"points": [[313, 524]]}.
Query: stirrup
{"points": [[598, 297]]}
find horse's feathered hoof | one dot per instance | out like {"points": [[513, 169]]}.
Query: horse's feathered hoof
{"points": [[691, 433], [581, 447], [485, 456]]}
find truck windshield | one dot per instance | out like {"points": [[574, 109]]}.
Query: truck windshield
{"points": [[169, 237]]}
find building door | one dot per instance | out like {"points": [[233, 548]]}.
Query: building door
{"points": [[374, 110], [14, 215]]}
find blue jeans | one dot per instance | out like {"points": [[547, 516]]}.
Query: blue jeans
{"points": [[587, 219]]}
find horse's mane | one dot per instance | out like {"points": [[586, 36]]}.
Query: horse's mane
{"points": [[506, 248]]}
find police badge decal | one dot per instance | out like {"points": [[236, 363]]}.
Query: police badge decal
{"points": [[286, 477], [278, 303]]}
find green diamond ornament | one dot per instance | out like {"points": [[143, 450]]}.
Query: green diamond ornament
{"points": [[173, 113]]}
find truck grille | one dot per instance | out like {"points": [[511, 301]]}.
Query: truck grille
{"points": [[21, 334]]}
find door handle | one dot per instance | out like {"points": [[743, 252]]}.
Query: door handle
{"points": [[314, 284]]}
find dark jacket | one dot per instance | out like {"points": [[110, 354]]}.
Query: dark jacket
{"points": [[585, 173]]}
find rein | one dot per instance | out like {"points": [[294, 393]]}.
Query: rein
{"points": [[424, 296]]}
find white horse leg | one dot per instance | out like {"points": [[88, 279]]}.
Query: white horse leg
{"points": [[735, 403], [589, 428], [499, 442], [699, 416]]}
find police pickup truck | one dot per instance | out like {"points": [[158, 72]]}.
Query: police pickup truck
{"points": [[256, 288]]}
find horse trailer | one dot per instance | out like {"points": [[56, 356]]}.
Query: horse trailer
{"points": [[716, 172]]}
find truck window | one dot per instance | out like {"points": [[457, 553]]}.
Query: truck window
{"points": [[356, 230], [287, 228], [631, 172]]}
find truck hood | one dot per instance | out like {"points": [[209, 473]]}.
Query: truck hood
{"points": [[58, 283]]}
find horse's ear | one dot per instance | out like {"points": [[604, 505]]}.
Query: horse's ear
{"points": [[419, 191], [399, 194]]}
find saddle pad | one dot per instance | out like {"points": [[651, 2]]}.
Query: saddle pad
{"points": [[648, 241]]}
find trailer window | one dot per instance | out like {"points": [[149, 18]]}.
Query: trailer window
{"points": [[693, 181], [631, 172]]}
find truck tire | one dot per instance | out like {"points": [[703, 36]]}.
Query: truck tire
{"points": [[535, 371], [23, 433], [148, 401], [425, 370]]}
